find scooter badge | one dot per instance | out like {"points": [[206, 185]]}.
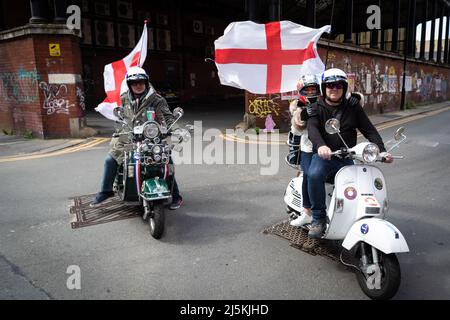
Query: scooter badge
{"points": [[364, 229], [350, 193]]}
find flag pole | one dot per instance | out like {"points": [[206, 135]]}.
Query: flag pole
{"points": [[329, 35], [142, 44]]}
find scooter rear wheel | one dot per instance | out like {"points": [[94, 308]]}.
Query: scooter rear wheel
{"points": [[157, 220], [390, 278]]}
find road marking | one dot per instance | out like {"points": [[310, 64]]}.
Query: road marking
{"points": [[84, 146], [98, 141], [236, 139]]}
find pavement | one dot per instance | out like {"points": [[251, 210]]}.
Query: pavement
{"points": [[16, 146]]}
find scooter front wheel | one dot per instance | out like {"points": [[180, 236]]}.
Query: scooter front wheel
{"points": [[382, 285], [157, 220]]}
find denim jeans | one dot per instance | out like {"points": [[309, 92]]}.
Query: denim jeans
{"points": [[109, 174], [305, 162], [317, 174], [175, 191]]}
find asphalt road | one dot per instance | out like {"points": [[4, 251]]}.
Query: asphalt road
{"points": [[213, 247]]}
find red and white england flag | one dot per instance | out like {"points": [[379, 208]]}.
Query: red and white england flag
{"points": [[114, 76], [267, 58]]}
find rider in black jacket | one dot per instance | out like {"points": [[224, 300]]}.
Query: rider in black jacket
{"points": [[352, 117], [349, 112]]}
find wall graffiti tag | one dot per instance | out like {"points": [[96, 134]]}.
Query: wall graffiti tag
{"points": [[20, 86], [55, 98], [261, 107], [81, 98], [381, 82]]}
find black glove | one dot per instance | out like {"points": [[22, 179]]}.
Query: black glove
{"points": [[354, 99], [311, 110]]}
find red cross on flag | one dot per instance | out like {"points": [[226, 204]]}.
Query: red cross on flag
{"points": [[267, 58], [114, 76]]}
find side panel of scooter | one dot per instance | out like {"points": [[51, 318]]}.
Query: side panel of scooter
{"points": [[360, 191], [378, 233], [130, 190], [293, 195]]}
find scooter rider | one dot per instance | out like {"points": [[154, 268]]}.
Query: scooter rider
{"points": [[140, 97], [352, 116], [309, 90]]}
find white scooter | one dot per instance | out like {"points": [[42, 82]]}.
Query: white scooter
{"points": [[357, 204]]}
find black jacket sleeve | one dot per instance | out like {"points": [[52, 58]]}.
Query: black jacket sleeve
{"points": [[314, 132], [367, 128]]}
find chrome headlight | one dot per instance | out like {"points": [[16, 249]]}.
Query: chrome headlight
{"points": [[157, 158], [156, 150], [151, 130], [370, 152]]}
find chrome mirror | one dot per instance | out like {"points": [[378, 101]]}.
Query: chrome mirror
{"points": [[399, 133], [332, 126], [178, 112], [118, 113]]}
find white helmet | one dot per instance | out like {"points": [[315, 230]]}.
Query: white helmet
{"points": [[332, 76], [136, 74]]}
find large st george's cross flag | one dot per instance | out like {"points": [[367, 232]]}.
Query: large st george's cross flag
{"points": [[267, 58], [114, 76]]}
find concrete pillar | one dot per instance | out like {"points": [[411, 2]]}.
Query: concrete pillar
{"points": [[348, 21], [411, 35], [274, 10], [374, 39], [433, 27], [395, 25], [311, 13], [447, 26], [60, 11], [424, 29], [39, 11]]}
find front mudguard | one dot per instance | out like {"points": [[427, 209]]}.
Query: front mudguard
{"points": [[155, 189], [378, 233]]}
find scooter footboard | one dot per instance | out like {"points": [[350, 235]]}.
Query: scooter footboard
{"points": [[378, 233]]}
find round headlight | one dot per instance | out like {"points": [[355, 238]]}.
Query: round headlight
{"points": [[151, 130], [156, 150], [370, 152], [157, 158]]}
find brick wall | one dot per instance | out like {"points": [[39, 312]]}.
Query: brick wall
{"points": [[19, 82], [39, 92]]}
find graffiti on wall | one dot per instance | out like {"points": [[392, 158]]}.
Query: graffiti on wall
{"points": [[20, 86], [381, 82], [261, 107], [81, 100], [55, 100]]}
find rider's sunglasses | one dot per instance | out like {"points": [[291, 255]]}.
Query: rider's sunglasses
{"points": [[337, 86], [132, 83]]}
